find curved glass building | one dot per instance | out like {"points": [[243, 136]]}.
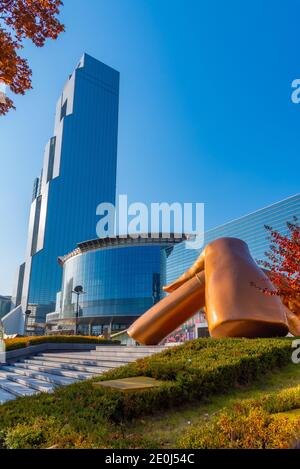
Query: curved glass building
{"points": [[121, 278]]}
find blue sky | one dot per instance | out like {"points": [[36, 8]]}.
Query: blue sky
{"points": [[205, 108]]}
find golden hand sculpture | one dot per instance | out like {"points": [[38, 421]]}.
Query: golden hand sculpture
{"points": [[221, 281]]}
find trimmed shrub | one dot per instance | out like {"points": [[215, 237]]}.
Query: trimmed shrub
{"points": [[253, 429], [273, 403], [29, 435], [21, 342], [189, 373], [252, 423]]}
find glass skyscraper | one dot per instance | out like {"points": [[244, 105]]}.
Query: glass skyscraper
{"points": [[250, 228], [5, 305], [79, 172]]}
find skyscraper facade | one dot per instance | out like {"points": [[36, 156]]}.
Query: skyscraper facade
{"points": [[79, 172], [250, 228], [5, 305]]}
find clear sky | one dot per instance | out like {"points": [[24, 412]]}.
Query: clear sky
{"points": [[205, 108]]}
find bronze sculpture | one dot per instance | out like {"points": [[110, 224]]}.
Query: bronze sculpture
{"points": [[221, 281]]}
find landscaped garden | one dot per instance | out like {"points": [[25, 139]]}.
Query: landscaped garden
{"points": [[226, 393]]}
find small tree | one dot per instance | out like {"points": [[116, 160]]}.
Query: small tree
{"points": [[283, 265], [19, 20]]}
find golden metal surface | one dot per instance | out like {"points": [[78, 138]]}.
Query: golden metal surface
{"points": [[173, 310], [196, 268], [293, 322], [222, 280], [234, 306]]}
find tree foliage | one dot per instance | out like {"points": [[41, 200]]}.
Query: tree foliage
{"points": [[283, 264], [35, 20]]}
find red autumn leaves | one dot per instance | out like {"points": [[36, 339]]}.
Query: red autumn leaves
{"points": [[283, 263], [35, 20]]}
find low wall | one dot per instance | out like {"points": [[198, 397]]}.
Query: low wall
{"points": [[13, 355]]}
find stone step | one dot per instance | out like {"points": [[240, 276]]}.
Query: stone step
{"points": [[48, 377], [85, 361], [109, 357], [139, 349], [6, 396], [15, 388], [43, 372], [91, 354], [65, 366], [99, 356], [81, 356], [128, 356], [70, 356], [55, 371], [132, 347], [13, 375]]}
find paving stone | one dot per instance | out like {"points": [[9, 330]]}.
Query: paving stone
{"points": [[137, 383]]}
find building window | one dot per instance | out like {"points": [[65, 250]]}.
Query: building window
{"points": [[202, 332], [51, 158], [63, 111], [97, 329], [20, 284], [35, 188], [39, 187], [36, 225]]}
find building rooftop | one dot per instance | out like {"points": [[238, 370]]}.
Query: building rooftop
{"points": [[121, 241]]}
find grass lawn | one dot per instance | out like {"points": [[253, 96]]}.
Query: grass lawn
{"points": [[200, 379], [166, 428]]}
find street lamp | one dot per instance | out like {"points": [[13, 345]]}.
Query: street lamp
{"points": [[78, 290], [27, 314]]}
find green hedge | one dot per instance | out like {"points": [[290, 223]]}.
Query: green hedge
{"points": [[82, 414], [192, 372], [21, 342]]}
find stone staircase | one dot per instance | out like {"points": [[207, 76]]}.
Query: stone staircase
{"points": [[46, 371]]}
